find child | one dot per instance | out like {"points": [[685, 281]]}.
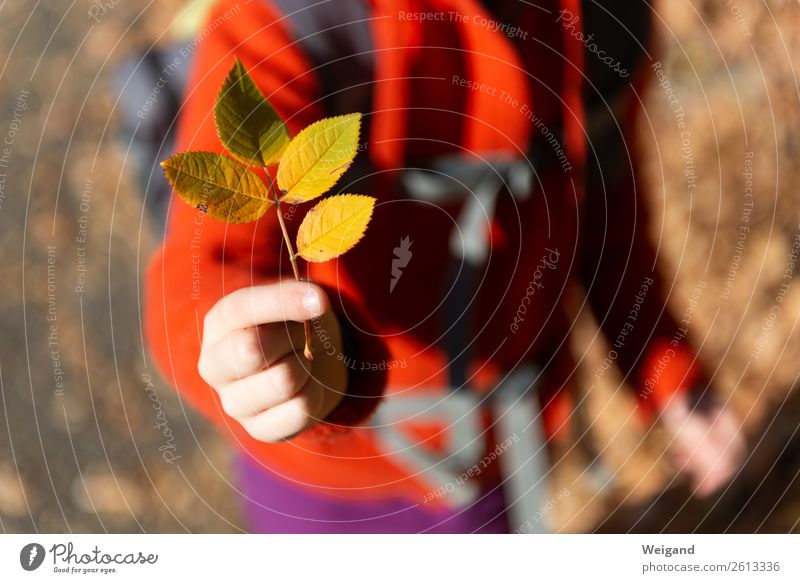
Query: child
{"points": [[497, 140]]}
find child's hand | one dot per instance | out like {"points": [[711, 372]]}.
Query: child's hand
{"points": [[252, 355], [708, 444]]}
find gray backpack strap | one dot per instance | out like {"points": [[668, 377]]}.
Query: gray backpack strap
{"points": [[336, 37]]}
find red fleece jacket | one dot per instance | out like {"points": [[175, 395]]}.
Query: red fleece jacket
{"points": [[420, 109]]}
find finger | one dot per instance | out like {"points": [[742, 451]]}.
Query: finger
{"points": [[247, 351], [705, 486], [726, 433], [279, 383], [276, 302], [707, 465], [714, 475], [289, 418]]}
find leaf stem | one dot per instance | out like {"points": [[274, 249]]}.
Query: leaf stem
{"points": [[293, 259]]}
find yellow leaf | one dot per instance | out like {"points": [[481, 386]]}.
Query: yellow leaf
{"points": [[317, 157], [218, 185], [334, 226]]}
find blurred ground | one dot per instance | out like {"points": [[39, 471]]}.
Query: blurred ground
{"points": [[89, 459]]}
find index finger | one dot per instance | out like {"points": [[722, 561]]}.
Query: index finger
{"points": [[286, 300]]}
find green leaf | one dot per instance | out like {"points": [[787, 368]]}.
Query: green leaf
{"points": [[317, 157], [246, 123], [218, 185], [334, 226]]}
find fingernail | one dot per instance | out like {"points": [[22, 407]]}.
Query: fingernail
{"points": [[311, 302]]}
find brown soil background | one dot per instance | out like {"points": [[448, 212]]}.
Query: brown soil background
{"points": [[89, 460]]}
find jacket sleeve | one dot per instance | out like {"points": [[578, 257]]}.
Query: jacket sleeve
{"points": [[201, 259], [620, 271]]}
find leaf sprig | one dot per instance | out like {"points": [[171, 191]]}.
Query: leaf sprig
{"points": [[309, 165]]}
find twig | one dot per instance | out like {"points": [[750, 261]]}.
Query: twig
{"points": [[293, 259]]}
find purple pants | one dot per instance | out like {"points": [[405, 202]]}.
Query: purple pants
{"points": [[272, 505]]}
